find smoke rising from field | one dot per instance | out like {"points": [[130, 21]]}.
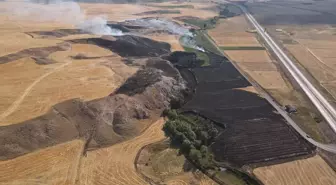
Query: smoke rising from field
{"points": [[98, 26], [60, 12], [187, 37]]}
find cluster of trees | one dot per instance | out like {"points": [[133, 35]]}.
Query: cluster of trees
{"points": [[210, 23], [193, 135]]}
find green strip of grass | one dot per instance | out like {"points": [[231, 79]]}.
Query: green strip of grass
{"points": [[229, 178], [200, 55], [204, 41], [242, 48], [202, 23]]}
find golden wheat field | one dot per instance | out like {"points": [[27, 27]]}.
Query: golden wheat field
{"points": [[311, 171], [233, 32], [115, 164], [52, 166]]}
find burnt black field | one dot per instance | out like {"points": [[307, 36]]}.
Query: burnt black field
{"points": [[251, 130]]}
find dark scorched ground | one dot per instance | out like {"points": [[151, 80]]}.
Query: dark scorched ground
{"points": [[251, 130]]}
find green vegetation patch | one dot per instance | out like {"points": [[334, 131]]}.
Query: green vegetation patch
{"points": [[201, 23], [229, 10], [229, 177], [192, 135], [200, 55], [204, 40], [242, 48]]}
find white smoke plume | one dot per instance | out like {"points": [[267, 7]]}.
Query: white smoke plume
{"points": [[187, 37], [190, 42], [98, 26], [60, 12]]}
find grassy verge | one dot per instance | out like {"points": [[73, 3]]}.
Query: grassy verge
{"points": [[241, 48], [202, 23], [229, 177], [200, 55], [203, 40]]}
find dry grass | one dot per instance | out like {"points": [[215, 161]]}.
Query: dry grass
{"points": [[320, 70], [232, 32], [260, 67], [249, 56], [31, 93], [248, 89], [115, 164], [115, 12], [165, 165], [173, 40], [51, 166], [311, 171], [268, 79]]}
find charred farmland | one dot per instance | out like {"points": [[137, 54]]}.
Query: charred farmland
{"points": [[129, 45], [250, 130]]}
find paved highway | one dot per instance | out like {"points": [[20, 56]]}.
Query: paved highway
{"points": [[325, 108], [284, 59]]}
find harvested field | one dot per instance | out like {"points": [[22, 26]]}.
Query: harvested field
{"points": [[102, 122], [115, 164], [269, 79], [34, 52], [173, 40], [233, 32], [54, 165], [115, 12], [162, 164], [249, 56], [311, 171], [321, 71], [63, 82], [257, 66]]}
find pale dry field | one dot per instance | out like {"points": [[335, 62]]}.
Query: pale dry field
{"points": [[249, 56], [51, 166], [31, 93], [311, 171], [315, 51], [260, 67], [320, 70], [233, 32], [115, 164], [256, 63], [165, 165], [173, 40], [121, 12]]}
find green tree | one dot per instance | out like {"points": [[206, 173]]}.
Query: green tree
{"points": [[186, 146], [195, 155]]}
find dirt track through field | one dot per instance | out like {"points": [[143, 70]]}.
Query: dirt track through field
{"points": [[115, 164], [19, 100]]}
